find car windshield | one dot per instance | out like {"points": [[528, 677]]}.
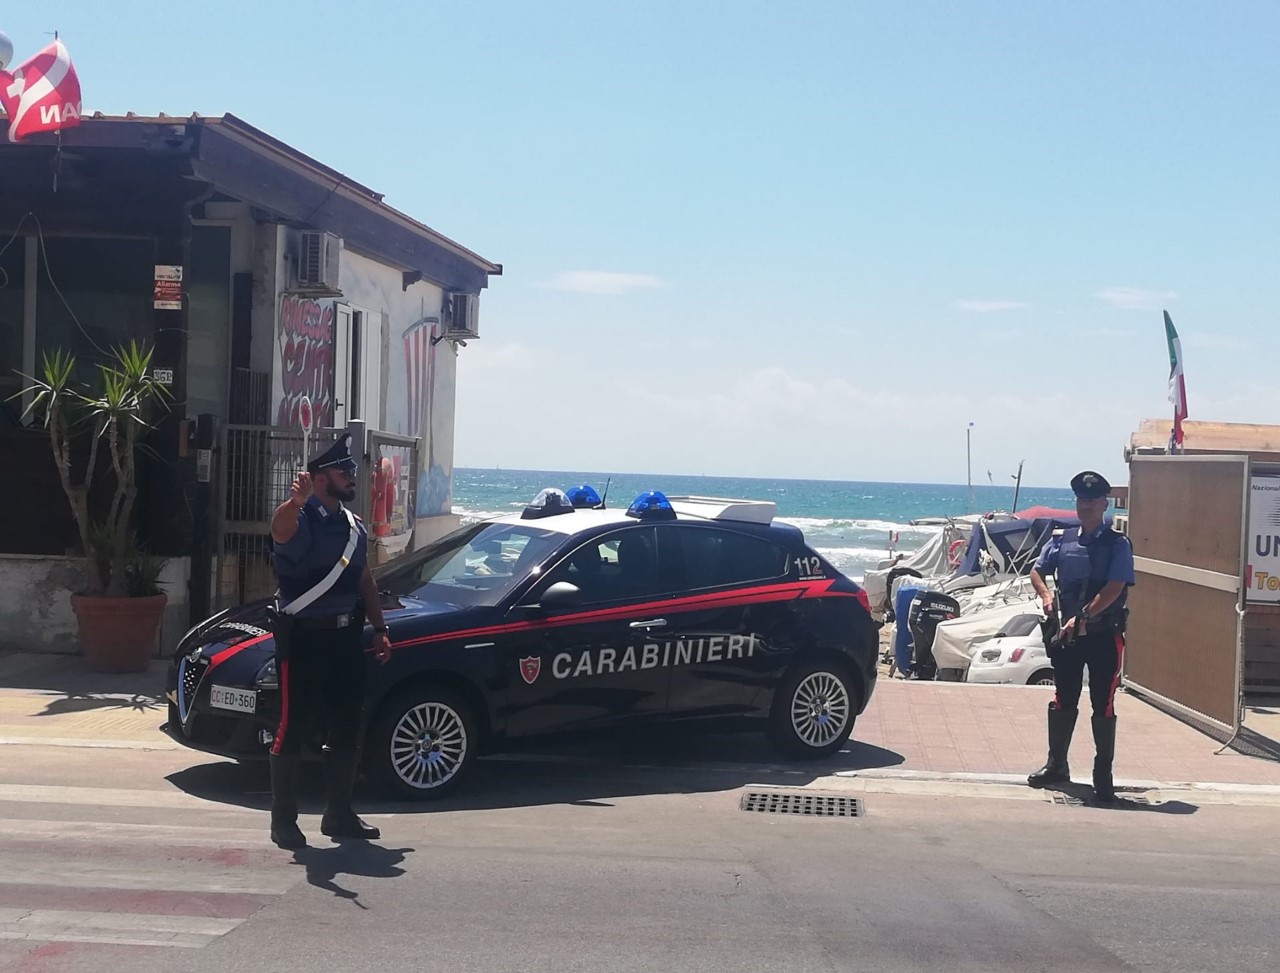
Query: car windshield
{"points": [[475, 567]]}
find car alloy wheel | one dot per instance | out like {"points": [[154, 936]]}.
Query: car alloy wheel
{"points": [[819, 709], [428, 745], [814, 710], [423, 742]]}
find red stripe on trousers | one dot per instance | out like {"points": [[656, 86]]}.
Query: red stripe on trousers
{"points": [[284, 707], [1115, 683]]}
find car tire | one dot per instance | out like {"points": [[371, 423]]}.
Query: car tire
{"points": [[1042, 678], [811, 694], [422, 744]]}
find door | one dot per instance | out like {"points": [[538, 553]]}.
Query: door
{"points": [[596, 662], [732, 637]]}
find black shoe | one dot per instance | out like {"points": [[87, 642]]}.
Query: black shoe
{"points": [[346, 824], [1062, 724], [284, 802], [1104, 741], [287, 834], [339, 820]]}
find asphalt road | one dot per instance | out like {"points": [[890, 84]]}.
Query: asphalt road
{"points": [[158, 860]]}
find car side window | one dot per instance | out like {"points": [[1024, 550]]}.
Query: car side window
{"points": [[618, 566], [715, 558]]}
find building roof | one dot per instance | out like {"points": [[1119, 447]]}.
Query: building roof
{"points": [[259, 169], [1208, 437]]}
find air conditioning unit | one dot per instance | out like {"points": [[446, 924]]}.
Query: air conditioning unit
{"points": [[461, 316], [318, 256]]}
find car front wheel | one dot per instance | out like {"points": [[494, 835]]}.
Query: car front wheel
{"points": [[423, 743], [813, 712]]}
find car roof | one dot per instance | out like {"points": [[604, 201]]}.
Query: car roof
{"points": [[724, 512]]}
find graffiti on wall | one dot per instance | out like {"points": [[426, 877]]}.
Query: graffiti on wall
{"points": [[305, 340]]}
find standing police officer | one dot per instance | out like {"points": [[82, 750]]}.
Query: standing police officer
{"points": [[1093, 565], [325, 591]]}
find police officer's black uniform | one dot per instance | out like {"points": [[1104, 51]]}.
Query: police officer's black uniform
{"points": [[318, 624], [1083, 564]]}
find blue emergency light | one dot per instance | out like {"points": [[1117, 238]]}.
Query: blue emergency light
{"points": [[584, 496], [548, 503], [651, 506]]}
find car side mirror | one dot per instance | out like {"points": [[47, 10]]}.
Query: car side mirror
{"points": [[562, 594]]}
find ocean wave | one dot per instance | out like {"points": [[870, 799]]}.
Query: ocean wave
{"points": [[827, 525]]}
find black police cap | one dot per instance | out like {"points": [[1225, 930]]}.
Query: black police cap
{"points": [[1089, 485], [337, 456]]}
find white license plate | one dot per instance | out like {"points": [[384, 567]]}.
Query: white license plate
{"points": [[240, 700]]}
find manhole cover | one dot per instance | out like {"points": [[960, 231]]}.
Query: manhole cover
{"points": [[809, 805]]}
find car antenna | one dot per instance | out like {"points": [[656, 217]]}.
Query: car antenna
{"points": [[605, 495]]}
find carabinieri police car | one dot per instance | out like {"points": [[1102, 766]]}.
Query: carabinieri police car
{"points": [[569, 618]]}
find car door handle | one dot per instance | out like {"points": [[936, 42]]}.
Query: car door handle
{"points": [[651, 623]]}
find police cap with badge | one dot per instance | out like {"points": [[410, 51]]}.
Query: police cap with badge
{"points": [[336, 457], [1089, 485]]}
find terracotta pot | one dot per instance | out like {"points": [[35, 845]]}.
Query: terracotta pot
{"points": [[118, 634]]}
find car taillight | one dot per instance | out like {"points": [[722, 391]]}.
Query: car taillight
{"points": [[1017, 655]]}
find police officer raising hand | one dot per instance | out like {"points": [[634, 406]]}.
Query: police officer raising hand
{"points": [[326, 591]]}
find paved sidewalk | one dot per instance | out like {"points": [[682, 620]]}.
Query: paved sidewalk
{"points": [[932, 727], [961, 727]]}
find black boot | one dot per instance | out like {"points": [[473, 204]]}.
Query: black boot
{"points": [[284, 801], [1104, 741], [1062, 723], [339, 820]]}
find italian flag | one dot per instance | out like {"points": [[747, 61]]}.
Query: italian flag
{"points": [[1177, 382]]}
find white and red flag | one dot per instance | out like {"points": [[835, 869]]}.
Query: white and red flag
{"points": [[42, 94]]}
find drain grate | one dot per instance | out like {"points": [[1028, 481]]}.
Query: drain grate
{"points": [[808, 805]]}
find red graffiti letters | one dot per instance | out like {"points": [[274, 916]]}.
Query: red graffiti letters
{"points": [[306, 359]]}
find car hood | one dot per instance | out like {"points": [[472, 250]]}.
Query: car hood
{"points": [[238, 641]]}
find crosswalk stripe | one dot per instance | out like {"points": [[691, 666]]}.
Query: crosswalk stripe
{"points": [[103, 796], [107, 831], [177, 876], [39, 923]]}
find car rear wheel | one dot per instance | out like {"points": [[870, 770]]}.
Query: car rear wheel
{"points": [[1042, 678], [423, 743], [813, 712]]}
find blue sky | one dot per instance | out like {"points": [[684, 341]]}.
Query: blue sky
{"points": [[802, 239]]}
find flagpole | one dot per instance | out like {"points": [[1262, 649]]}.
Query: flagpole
{"points": [[968, 462]]}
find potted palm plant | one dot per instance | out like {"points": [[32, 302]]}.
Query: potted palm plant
{"points": [[118, 615]]}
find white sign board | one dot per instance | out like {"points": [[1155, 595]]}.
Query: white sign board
{"points": [[1262, 564]]}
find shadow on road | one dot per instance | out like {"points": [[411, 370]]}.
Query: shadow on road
{"points": [[362, 858], [585, 775]]}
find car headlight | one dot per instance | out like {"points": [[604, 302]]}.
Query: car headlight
{"points": [[266, 677]]}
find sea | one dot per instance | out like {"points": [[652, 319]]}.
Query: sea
{"points": [[854, 525]]}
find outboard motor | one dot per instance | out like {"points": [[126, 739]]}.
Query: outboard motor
{"points": [[928, 609]]}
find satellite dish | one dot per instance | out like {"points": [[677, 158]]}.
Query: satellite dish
{"points": [[6, 50]]}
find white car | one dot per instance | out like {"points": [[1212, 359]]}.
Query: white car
{"points": [[1014, 655]]}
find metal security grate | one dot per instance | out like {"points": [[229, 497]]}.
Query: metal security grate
{"points": [[808, 805]]}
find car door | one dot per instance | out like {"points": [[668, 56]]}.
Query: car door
{"points": [[587, 664], [731, 637]]}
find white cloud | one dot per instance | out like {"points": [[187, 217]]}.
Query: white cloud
{"points": [[986, 307], [602, 282], [1137, 299]]}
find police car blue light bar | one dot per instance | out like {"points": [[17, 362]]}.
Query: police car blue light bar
{"points": [[651, 506], [548, 503], [584, 496]]}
